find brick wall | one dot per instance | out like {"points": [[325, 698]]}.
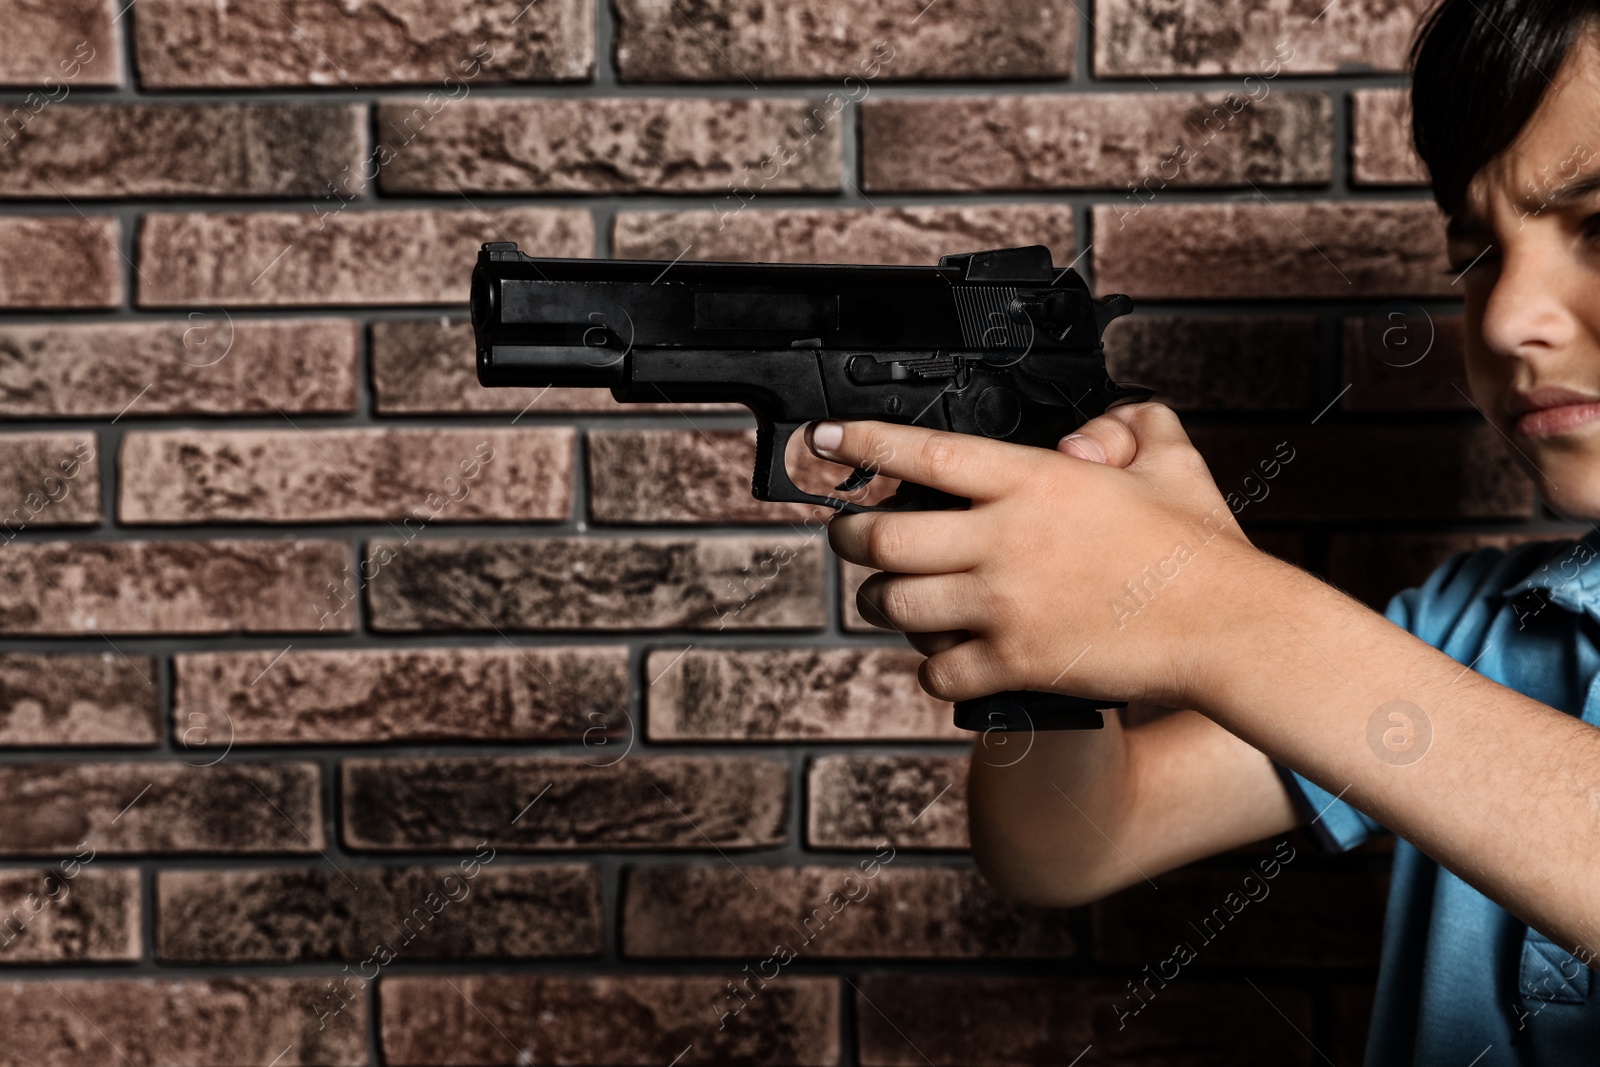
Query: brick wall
{"points": [[353, 714]]}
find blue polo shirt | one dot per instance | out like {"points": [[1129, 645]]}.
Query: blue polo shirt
{"points": [[1461, 978]]}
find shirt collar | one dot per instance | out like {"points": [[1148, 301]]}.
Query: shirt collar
{"points": [[1569, 575]]}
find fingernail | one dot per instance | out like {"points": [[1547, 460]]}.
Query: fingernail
{"points": [[826, 436], [1083, 447]]}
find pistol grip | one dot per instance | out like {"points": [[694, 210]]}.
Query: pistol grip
{"points": [[1021, 709]]}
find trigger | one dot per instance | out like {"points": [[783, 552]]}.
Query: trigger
{"points": [[857, 479]]}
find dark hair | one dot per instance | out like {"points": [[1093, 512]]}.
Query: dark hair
{"points": [[1479, 70]]}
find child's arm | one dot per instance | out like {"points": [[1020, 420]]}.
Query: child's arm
{"points": [[1507, 797], [1089, 812]]}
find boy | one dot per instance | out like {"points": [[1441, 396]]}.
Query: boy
{"points": [[1464, 722]]}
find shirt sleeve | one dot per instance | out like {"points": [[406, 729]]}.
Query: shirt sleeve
{"points": [[1332, 823]]}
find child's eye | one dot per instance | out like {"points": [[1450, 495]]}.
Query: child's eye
{"points": [[1591, 226]]}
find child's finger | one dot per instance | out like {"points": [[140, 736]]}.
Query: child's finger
{"points": [[962, 464], [1101, 440]]}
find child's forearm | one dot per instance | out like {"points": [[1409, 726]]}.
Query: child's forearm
{"points": [[1039, 821], [1506, 793]]}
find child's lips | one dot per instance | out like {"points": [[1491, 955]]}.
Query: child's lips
{"points": [[1552, 421]]}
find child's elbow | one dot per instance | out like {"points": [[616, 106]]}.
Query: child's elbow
{"points": [[1040, 885]]}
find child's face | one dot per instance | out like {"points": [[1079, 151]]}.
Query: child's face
{"points": [[1533, 299]]}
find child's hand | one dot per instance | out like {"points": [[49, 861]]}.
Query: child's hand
{"points": [[1107, 574]]}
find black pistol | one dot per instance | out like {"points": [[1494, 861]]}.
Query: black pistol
{"points": [[999, 343]]}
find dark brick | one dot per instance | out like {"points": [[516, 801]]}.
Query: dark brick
{"points": [[723, 41], [191, 44], [832, 694], [186, 1023], [611, 1021], [427, 366], [192, 150], [696, 475], [1044, 1022], [1400, 358], [1374, 567], [167, 807], [627, 584], [69, 914], [333, 257], [1351, 472], [1381, 152], [103, 699], [1140, 141], [56, 44], [913, 802], [354, 696], [1148, 38], [663, 802], [899, 235], [850, 912], [620, 145], [154, 587], [416, 477], [60, 261], [48, 479], [1218, 363], [375, 915], [1271, 250], [207, 364], [1352, 1018], [1242, 918]]}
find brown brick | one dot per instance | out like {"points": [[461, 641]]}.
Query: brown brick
{"points": [[336, 257], [418, 477], [618, 145], [627, 584], [695, 475], [192, 1022], [845, 39], [163, 587], [1218, 363], [355, 696], [166, 807], [189, 44], [910, 801], [60, 261], [1148, 38], [70, 913], [1381, 152], [1241, 918], [896, 235], [289, 916], [781, 694], [188, 150], [60, 44], [1374, 567], [48, 479], [1140, 141], [660, 802], [1271, 250], [207, 364], [1401, 358], [1045, 1022], [849, 912], [427, 366], [612, 1021], [1350, 472], [102, 699]]}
